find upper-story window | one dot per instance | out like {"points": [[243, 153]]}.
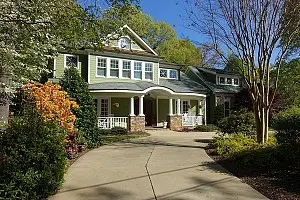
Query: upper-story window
{"points": [[228, 81], [71, 61], [101, 66], [124, 43], [173, 74], [138, 70], [168, 73], [236, 81], [126, 69], [114, 68], [148, 71], [163, 73]]}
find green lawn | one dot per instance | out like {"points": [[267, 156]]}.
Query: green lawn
{"points": [[108, 139]]}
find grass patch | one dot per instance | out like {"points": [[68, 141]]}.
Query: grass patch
{"points": [[111, 138]]}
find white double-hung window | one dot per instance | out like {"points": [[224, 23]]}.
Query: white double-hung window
{"points": [[114, 68], [138, 70], [149, 71], [101, 66], [126, 69]]}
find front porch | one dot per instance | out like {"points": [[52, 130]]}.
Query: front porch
{"points": [[153, 108]]}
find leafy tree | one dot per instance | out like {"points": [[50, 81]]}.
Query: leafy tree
{"points": [[31, 31], [86, 116], [252, 30], [289, 83], [181, 52]]}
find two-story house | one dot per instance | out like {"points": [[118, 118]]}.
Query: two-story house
{"points": [[223, 85], [134, 87]]}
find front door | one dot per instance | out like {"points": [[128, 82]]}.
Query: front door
{"points": [[149, 111]]}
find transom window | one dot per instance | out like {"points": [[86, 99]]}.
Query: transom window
{"points": [[138, 70], [114, 68], [101, 66], [149, 71], [164, 73], [71, 61], [126, 69]]}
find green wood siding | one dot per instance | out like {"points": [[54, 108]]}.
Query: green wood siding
{"points": [[94, 79], [123, 109]]}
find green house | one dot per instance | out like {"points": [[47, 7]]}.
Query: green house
{"points": [[134, 87]]}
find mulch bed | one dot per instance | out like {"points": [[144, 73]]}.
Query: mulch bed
{"points": [[276, 184]]}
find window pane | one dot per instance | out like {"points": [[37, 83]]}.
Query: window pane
{"points": [[101, 72], [185, 107], [71, 61], [114, 72], [114, 64], [227, 105], [138, 74], [126, 65], [126, 74], [101, 62], [104, 107], [137, 66], [229, 81], [222, 80], [163, 73], [173, 74], [148, 67], [149, 75], [236, 81]]}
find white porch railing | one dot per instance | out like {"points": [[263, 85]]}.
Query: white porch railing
{"points": [[191, 121], [110, 122]]}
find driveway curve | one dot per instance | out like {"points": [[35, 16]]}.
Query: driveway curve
{"points": [[166, 165]]}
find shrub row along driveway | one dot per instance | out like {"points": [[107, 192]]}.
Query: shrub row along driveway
{"points": [[166, 165]]}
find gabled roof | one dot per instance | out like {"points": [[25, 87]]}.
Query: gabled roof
{"points": [[215, 88], [139, 40]]}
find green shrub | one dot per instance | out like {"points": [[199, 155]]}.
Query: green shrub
{"points": [[32, 158], [287, 126], [86, 115], [238, 122], [206, 128], [118, 130], [238, 145]]}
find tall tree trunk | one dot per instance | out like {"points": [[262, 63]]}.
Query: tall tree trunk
{"points": [[258, 122]]}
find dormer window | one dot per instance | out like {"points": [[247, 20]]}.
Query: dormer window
{"points": [[71, 61], [229, 81], [222, 80], [236, 81], [168, 73], [124, 43]]}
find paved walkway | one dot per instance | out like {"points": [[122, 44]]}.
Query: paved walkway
{"points": [[166, 165]]}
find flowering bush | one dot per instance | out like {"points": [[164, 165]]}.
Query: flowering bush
{"points": [[54, 104]]}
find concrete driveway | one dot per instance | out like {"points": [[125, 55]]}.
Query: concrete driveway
{"points": [[166, 165]]}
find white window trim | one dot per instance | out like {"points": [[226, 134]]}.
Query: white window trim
{"points": [[136, 70], [148, 71], [108, 68], [168, 73], [232, 80], [114, 68], [100, 57], [70, 55], [122, 69]]}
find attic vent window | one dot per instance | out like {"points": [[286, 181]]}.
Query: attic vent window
{"points": [[124, 43]]}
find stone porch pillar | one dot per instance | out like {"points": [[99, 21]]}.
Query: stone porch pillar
{"points": [[136, 123], [174, 121]]}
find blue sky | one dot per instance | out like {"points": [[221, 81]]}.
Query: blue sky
{"points": [[172, 12]]}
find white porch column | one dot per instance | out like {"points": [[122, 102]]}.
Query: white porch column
{"points": [[178, 107], [132, 106], [170, 106], [200, 102], [205, 111], [141, 106]]}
